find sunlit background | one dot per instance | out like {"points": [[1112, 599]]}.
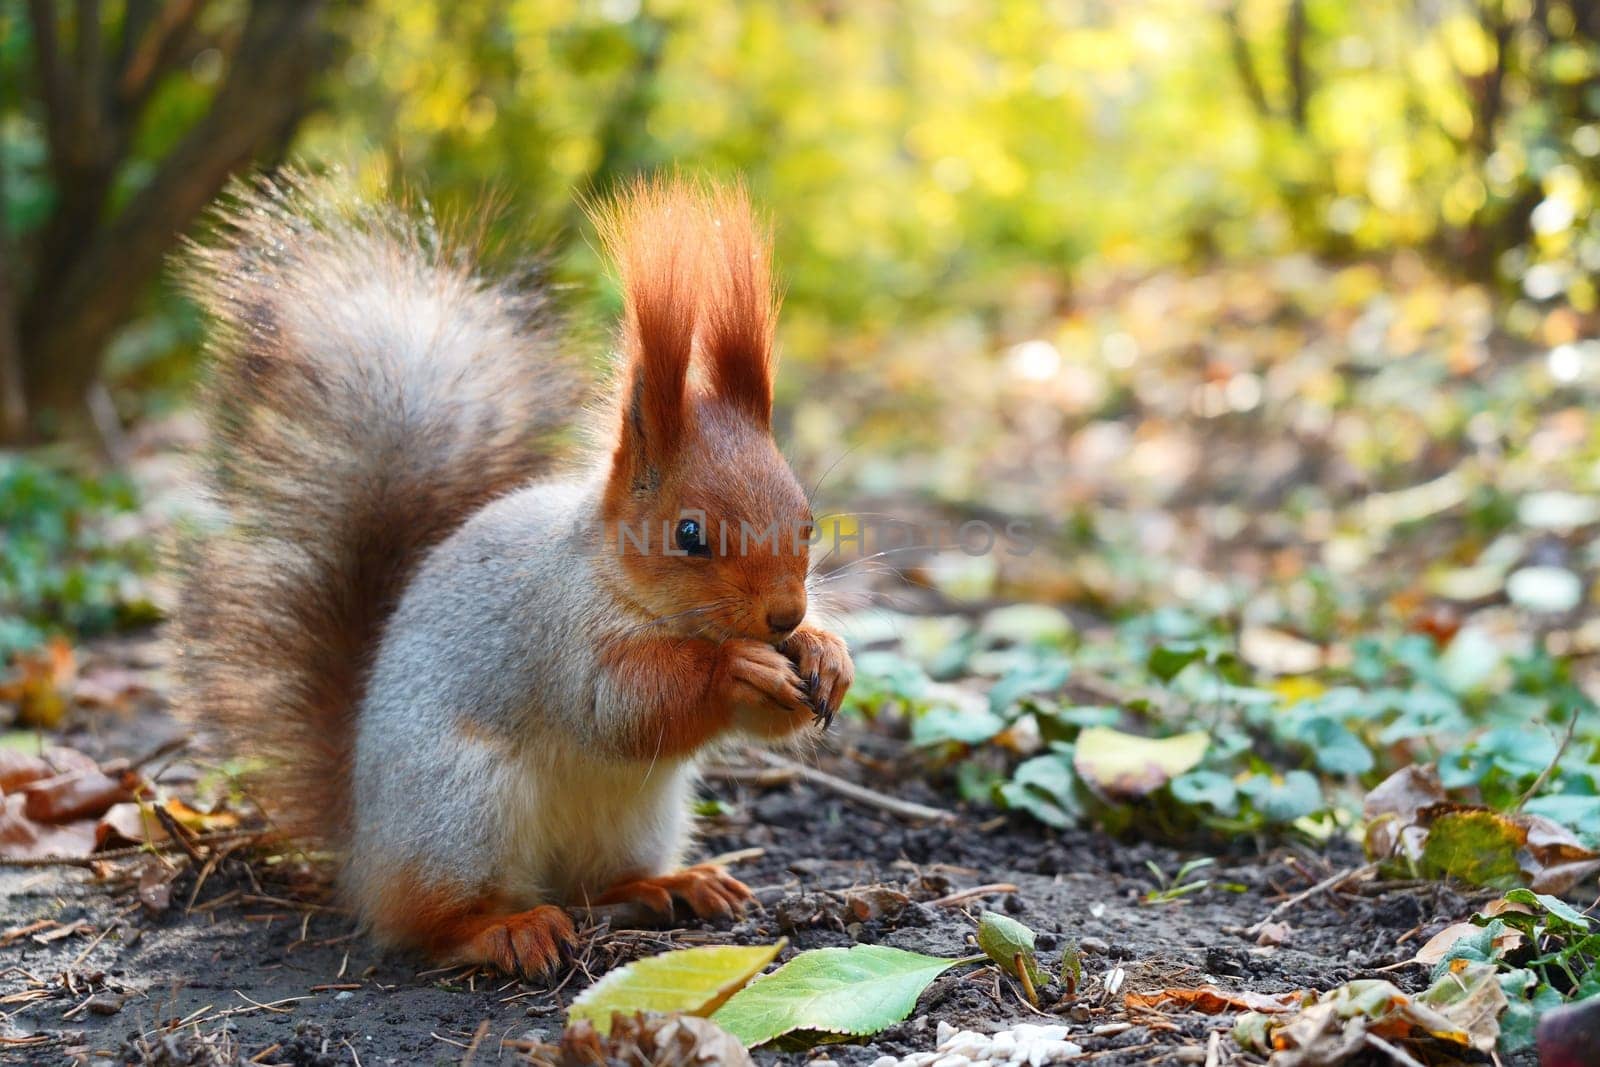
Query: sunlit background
{"points": [[1284, 307]]}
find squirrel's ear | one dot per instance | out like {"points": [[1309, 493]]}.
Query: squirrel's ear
{"points": [[742, 309], [652, 232]]}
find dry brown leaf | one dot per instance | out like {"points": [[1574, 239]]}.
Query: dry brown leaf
{"points": [[1462, 1009], [1439, 944], [1391, 810], [128, 823], [137, 823], [42, 680], [1403, 808], [75, 795], [1277, 652], [23, 838], [155, 887], [113, 688], [1214, 1001], [875, 902], [19, 768], [1273, 933], [201, 822], [1556, 860]]}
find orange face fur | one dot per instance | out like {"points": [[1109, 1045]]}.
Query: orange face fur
{"points": [[695, 401]]}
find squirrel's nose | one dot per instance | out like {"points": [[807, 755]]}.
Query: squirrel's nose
{"points": [[782, 620]]}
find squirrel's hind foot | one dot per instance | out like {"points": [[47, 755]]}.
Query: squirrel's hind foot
{"points": [[709, 891]]}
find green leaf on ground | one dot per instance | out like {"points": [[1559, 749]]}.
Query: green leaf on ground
{"points": [[1129, 766], [1208, 788], [1284, 800], [966, 723], [855, 991], [1010, 944], [1044, 787], [1027, 679], [1167, 661], [695, 981], [1478, 847]]}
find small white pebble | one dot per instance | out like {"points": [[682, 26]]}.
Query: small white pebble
{"points": [[973, 1050], [1024, 1045]]}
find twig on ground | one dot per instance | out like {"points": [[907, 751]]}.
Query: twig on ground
{"points": [[905, 809], [165, 748], [1549, 768], [17, 932], [738, 855], [477, 1039], [761, 777], [961, 896], [272, 1007], [126, 853], [1332, 882]]}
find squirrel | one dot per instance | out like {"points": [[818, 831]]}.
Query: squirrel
{"points": [[478, 666]]}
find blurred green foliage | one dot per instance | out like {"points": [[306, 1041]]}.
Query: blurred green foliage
{"points": [[71, 554], [929, 155]]}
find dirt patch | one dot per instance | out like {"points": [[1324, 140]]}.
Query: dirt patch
{"points": [[263, 962]]}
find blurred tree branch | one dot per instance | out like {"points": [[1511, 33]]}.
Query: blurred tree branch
{"points": [[13, 408], [622, 134], [1294, 61], [1296, 71], [1244, 63], [86, 268]]}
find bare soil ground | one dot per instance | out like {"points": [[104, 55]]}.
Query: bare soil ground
{"points": [[261, 965]]}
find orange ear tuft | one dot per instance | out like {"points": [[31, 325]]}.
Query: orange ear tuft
{"points": [[653, 232], [742, 314]]}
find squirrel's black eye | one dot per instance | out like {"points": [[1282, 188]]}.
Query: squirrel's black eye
{"points": [[690, 538]]}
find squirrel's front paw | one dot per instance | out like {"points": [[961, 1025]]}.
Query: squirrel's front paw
{"points": [[824, 664], [526, 944], [762, 686]]}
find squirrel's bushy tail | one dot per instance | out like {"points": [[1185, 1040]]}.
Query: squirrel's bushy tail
{"points": [[368, 391]]}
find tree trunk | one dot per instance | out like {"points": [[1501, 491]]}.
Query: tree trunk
{"points": [[90, 272]]}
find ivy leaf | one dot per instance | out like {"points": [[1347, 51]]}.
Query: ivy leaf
{"points": [[1209, 788], [967, 722], [1167, 661], [1010, 944], [1295, 797], [695, 981], [1555, 907], [1026, 679], [1044, 787], [855, 991], [883, 677], [1337, 748]]}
